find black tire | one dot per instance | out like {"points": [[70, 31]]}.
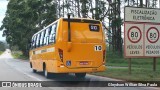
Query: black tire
{"points": [[34, 70], [30, 64], [80, 75], [46, 73]]}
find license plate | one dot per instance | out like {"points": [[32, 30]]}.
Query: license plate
{"points": [[83, 63]]}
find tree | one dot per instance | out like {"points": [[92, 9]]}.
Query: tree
{"points": [[141, 3], [116, 22], [84, 8], [2, 46], [24, 18]]}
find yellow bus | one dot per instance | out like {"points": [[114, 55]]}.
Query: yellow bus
{"points": [[69, 45]]}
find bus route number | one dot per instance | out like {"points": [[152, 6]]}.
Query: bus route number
{"points": [[98, 48], [94, 28]]}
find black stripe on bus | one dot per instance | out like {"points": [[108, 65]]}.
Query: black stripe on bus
{"points": [[82, 21]]}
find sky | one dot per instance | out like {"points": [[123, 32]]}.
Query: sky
{"points": [[3, 8]]}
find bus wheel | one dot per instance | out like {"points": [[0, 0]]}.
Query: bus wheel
{"points": [[46, 73], [30, 64], [34, 70], [80, 75]]}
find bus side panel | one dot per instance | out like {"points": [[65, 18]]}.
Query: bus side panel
{"points": [[48, 55], [39, 56], [52, 56]]}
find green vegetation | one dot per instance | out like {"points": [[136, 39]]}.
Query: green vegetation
{"points": [[3, 46], [114, 59], [142, 68], [138, 74], [19, 55], [24, 18], [1, 52]]}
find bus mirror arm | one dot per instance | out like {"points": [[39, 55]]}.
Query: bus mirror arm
{"points": [[69, 44], [69, 29]]}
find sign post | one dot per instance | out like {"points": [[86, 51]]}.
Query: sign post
{"points": [[129, 65], [141, 34], [154, 64]]}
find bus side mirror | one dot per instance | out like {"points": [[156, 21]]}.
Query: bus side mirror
{"points": [[29, 44]]}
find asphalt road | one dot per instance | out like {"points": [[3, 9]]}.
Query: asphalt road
{"points": [[19, 70]]}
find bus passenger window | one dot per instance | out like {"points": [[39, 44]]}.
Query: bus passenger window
{"points": [[34, 41], [37, 40], [46, 37], [52, 34], [41, 39]]}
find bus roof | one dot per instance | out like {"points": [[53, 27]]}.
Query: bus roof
{"points": [[82, 20]]}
